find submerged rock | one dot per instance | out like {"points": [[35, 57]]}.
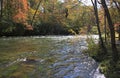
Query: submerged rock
{"points": [[31, 60]]}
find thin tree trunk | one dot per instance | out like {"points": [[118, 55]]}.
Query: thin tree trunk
{"points": [[119, 33], [98, 26], [8, 12], [112, 32], [35, 12], [1, 13], [105, 28]]}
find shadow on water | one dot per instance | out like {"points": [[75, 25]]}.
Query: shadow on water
{"points": [[46, 57]]}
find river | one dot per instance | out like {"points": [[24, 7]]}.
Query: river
{"points": [[46, 57]]}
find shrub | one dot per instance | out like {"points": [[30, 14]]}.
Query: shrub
{"points": [[48, 28], [11, 29]]}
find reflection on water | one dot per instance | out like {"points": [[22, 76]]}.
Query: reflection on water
{"points": [[46, 57]]}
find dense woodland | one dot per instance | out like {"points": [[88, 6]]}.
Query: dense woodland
{"points": [[45, 17], [71, 17], [53, 17]]}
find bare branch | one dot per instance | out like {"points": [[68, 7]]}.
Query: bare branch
{"points": [[35, 12], [92, 2], [99, 2], [116, 5]]}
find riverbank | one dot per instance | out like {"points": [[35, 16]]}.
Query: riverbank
{"points": [[106, 65]]}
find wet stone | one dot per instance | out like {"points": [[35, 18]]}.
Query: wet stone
{"points": [[31, 60]]}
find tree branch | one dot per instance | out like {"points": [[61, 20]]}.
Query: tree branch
{"points": [[35, 12], [99, 2], [92, 2], [116, 5]]}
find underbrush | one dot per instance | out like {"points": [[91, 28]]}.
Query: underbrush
{"points": [[11, 29], [106, 65]]}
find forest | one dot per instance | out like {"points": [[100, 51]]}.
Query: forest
{"points": [[26, 18], [47, 17]]}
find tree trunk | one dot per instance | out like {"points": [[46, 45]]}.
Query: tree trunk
{"points": [[98, 27], [105, 28], [119, 33], [1, 13], [35, 12], [112, 32]]}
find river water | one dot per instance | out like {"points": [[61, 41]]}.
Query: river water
{"points": [[47, 57]]}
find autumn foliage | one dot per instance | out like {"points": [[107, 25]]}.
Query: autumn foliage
{"points": [[21, 10]]}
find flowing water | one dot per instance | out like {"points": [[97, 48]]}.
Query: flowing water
{"points": [[46, 57]]}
